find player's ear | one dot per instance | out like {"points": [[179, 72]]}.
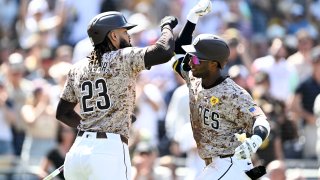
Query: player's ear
{"points": [[112, 36], [213, 64]]}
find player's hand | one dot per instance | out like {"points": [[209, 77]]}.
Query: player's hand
{"points": [[169, 20], [248, 147], [203, 7]]}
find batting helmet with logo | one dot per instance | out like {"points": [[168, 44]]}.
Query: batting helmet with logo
{"points": [[209, 47], [105, 22]]}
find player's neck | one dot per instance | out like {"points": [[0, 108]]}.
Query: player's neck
{"points": [[211, 79]]}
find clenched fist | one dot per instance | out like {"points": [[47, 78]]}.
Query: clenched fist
{"points": [[169, 20]]}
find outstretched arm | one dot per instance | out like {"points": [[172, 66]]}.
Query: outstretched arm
{"points": [[163, 50], [202, 8]]}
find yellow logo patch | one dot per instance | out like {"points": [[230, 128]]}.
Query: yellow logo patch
{"points": [[214, 100]]}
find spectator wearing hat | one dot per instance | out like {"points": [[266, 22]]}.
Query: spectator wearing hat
{"points": [[302, 105], [18, 89], [301, 59]]}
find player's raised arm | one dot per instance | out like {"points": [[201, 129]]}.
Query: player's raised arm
{"points": [[203, 7], [163, 50]]}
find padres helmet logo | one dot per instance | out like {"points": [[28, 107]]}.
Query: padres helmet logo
{"points": [[214, 100]]}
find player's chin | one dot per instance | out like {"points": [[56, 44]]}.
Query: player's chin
{"points": [[196, 74]]}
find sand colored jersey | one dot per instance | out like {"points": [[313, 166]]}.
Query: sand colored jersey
{"points": [[106, 94], [218, 113]]}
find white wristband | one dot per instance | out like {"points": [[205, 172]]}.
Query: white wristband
{"points": [[257, 141], [192, 17]]}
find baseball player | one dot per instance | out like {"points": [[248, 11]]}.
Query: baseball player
{"points": [[220, 109], [104, 86]]}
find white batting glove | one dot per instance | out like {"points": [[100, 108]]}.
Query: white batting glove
{"points": [[202, 8], [248, 147]]}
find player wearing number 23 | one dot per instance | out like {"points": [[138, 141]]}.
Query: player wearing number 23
{"points": [[103, 84], [220, 109]]}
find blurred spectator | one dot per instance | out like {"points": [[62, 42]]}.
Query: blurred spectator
{"points": [[260, 11], [239, 50], [178, 113], [39, 115], [82, 49], [44, 59], [59, 73], [55, 157], [299, 21], [139, 34], [38, 20], [316, 110], [282, 75], [281, 126], [302, 105], [151, 111], [239, 17], [19, 89], [183, 142], [276, 170], [271, 149], [145, 165], [77, 14], [180, 133], [7, 117], [8, 15], [63, 53], [301, 59], [239, 74]]}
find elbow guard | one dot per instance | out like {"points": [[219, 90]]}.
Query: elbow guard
{"points": [[261, 127]]}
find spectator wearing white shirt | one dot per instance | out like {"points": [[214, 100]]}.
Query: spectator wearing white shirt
{"points": [[283, 77]]}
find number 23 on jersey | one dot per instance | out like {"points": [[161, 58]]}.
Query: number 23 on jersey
{"points": [[94, 96]]}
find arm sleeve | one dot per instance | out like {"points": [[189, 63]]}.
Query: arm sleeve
{"points": [[184, 37], [162, 51]]}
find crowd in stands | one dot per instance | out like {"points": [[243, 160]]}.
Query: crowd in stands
{"points": [[275, 55]]}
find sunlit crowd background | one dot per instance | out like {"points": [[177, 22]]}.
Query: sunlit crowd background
{"points": [[275, 55]]}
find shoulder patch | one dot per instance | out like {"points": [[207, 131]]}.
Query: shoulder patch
{"points": [[255, 111]]}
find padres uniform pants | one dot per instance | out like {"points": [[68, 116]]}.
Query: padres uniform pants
{"points": [[226, 169], [98, 158]]}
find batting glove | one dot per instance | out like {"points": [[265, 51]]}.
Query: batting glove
{"points": [[202, 8], [248, 147], [169, 20]]}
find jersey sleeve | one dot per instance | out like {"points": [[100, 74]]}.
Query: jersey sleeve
{"points": [[68, 93], [134, 58], [178, 66], [248, 110]]}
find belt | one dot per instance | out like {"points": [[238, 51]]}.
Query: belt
{"points": [[104, 135], [209, 160]]}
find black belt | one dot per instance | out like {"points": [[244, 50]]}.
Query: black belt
{"points": [[104, 135], [209, 160]]}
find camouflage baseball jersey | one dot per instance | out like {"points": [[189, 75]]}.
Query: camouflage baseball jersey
{"points": [[107, 94], [218, 113]]}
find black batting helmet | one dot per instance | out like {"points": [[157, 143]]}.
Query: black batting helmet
{"points": [[105, 22], [209, 47]]}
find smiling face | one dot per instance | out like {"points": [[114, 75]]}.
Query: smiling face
{"points": [[201, 68]]}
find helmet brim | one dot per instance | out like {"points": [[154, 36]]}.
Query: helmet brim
{"points": [[129, 26], [193, 51]]}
